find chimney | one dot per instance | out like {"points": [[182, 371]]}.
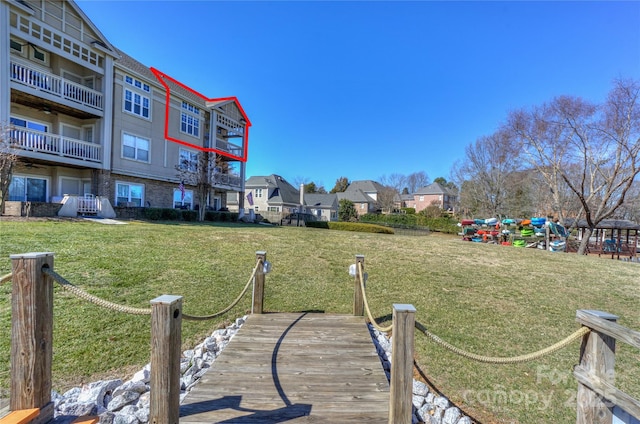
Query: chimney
{"points": [[301, 197]]}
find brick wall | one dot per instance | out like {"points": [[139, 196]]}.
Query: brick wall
{"points": [[32, 209]]}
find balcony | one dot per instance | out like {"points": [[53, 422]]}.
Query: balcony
{"points": [[56, 86], [227, 180], [55, 145], [231, 148]]}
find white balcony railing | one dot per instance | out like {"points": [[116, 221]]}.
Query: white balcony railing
{"points": [[43, 142], [56, 85], [229, 147], [232, 180]]}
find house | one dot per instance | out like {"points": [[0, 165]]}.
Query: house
{"points": [[324, 206], [273, 197], [433, 195], [364, 195], [271, 194], [89, 121]]}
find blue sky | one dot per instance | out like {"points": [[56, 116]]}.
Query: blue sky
{"points": [[368, 89]]}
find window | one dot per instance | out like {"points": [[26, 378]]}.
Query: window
{"points": [[258, 192], [422, 198], [190, 119], [28, 189], [273, 209], [180, 202], [134, 101], [38, 55], [16, 46], [188, 160], [136, 148], [129, 194]]}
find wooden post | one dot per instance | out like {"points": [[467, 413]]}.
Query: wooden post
{"points": [[358, 297], [258, 284], [597, 358], [166, 340], [401, 384], [31, 334]]}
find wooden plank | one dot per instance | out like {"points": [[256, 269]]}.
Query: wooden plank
{"points": [[610, 328], [86, 420], [608, 391], [166, 338], [31, 333], [21, 416], [304, 367]]}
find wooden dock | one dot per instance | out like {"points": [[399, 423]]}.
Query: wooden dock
{"points": [[294, 368]]}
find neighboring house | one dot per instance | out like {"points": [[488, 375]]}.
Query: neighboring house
{"points": [[89, 120], [271, 194], [322, 206], [362, 202], [273, 197], [364, 195], [433, 195]]}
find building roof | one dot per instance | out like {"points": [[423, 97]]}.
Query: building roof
{"points": [[367, 186], [280, 191], [433, 188], [355, 196], [321, 200]]}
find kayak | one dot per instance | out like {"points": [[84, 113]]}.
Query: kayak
{"points": [[467, 222]]}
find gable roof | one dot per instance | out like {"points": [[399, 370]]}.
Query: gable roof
{"points": [[433, 188], [356, 196], [367, 186], [321, 200], [280, 191]]}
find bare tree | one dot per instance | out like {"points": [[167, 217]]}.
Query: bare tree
{"points": [[593, 150], [200, 174], [417, 180], [8, 160], [484, 175]]}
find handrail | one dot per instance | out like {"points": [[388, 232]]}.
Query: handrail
{"points": [[78, 292]]}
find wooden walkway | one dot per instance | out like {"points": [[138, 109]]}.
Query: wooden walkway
{"points": [[293, 368]]}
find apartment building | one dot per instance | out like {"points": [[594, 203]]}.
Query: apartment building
{"points": [[86, 120]]}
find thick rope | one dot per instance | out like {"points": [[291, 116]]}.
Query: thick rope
{"points": [[234, 303], [5, 278], [504, 360], [366, 304], [78, 292]]}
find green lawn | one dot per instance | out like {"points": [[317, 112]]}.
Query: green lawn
{"points": [[491, 300]]}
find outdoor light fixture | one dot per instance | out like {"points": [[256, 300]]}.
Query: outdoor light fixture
{"points": [[352, 270], [266, 267]]}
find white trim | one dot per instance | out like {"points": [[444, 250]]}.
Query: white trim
{"points": [[119, 182], [122, 156]]}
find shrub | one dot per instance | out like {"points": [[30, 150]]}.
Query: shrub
{"points": [[409, 211], [189, 215], [360, 227], [169, 214], [317, 224], [152, 214]]}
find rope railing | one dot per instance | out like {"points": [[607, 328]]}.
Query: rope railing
{"points": [[259, 263], [576, 335], [5, 278], [366, 303], [78, 292]]}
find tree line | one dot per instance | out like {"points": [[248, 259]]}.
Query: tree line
{"points": [[567, 158]]}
